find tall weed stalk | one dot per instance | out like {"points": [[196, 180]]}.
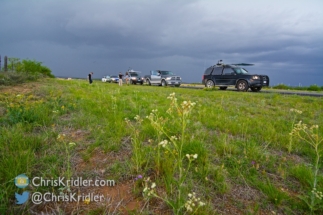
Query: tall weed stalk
{"points": [[173, 146], [310, 136]]}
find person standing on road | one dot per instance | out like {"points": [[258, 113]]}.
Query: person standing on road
{"points": [[120, 79], [90, 77], [127, 78]]}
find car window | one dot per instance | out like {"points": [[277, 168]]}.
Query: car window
{"points": [[133, 74], [217, 71], [227, 71], [154, 72], [208, 71], [240, 70], [166, 73]]}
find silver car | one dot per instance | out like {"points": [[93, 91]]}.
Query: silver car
{"points": [[106, 79]]}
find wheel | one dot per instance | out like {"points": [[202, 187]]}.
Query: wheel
{"points": [[223, 88], [148, 82], [242, 86], [255, 89], [131, 82], [209, 84], [163, 83], [141, 83]]}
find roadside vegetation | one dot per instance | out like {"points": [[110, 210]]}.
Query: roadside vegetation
{"points": [[19, 71], [170, 150], [312, 87]]}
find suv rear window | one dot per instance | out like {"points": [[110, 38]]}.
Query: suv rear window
{"points": [[217, 71], [208, 71]]}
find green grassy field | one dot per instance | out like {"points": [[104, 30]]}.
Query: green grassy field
{"points": [[169, 150]]}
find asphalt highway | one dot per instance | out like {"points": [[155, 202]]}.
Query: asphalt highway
{"points": [[285, 92]]}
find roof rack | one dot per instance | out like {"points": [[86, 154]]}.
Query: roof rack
{"points": [[220, 63]]}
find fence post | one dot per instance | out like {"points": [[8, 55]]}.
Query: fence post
{"points": [[5, 63]]}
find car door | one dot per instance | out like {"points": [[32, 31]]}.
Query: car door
{"points": [[217, 75], [155, 77], [228, 76]]}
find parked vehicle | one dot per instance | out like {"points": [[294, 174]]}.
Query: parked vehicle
{"points": [[114, 78], [134, 77], [106, 79], [163, 78], [224, 75]]}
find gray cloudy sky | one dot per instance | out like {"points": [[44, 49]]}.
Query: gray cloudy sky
{"points": [[284, 38]]}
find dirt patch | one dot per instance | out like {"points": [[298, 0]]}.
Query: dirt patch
{"points": [[106, 196], [97, 200], [118, 199], [3, 111], [20, 89], [241, 199]]}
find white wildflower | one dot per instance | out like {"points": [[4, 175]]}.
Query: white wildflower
{"points": [[163, 143], [201, 204]]}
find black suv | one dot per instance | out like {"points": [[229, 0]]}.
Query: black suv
{"points": [[224, 75], [134, 77]]}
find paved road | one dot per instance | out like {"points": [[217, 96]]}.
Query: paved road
{"points": [[286, 92]]}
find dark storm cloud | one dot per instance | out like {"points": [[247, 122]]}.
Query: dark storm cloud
{"points": [[73, 37]]}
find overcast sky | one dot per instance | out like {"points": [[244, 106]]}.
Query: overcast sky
{"points": [[283, 38]]}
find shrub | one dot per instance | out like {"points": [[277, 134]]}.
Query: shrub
{"points": [[281, 86], [314, 87], [25, 70], [13, 78]]}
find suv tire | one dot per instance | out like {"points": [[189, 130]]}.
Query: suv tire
{"points": [[242, 85], [148, 82], [209, 84], [163, 83]]}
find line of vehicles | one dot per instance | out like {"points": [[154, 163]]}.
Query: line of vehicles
{"points": [[156, 77], [219, 75]]}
